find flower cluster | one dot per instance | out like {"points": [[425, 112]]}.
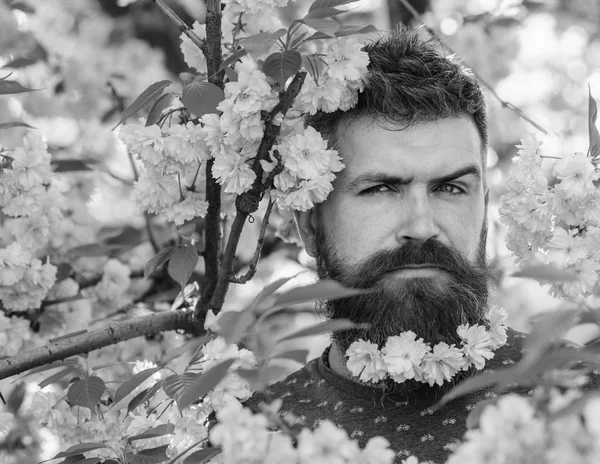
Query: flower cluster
{"points": [[247, 439], [514, 430], [171, 159], [555, 221], [407, 357], [337, 87]]}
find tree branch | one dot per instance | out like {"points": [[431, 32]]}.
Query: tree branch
{"points": [[261, 240], [504, 103], [183, 27], [114, 333], [212, 227], [248, 202]]}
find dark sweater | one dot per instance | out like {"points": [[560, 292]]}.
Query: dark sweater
{"points": [[315, 393]]}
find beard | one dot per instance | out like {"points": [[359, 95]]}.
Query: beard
{"points": [[433, 308]]}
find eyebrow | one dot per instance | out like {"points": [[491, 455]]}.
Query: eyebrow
{"points": [[381, 177]]}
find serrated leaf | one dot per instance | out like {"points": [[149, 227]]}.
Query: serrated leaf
{"points": [[546, 273], [323, 290], [164, 102], [68, 165], [149, 456], [281, 66], [8, 125], [329, 3], [333, 325], [295, 355], [202, 456], [11, 87], [259, 44], [182, 264], [127, 387], [594, 136], [86, 392], [157, 261], [158, 431], [143, 396], [201, 97], [149, 95], [174, 385], [204, 383], [323, 12], [325, 26], [77, 450], [57, 376]]}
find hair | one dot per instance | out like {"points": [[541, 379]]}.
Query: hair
{"points": [[409, 82]]}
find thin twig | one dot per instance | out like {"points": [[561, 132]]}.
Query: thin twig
{"points": [[112, 334], [504, 103], [183, 27], [259, 245]]}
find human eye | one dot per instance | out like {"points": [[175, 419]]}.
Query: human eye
{"points": [[376, 189], [451, 189]]}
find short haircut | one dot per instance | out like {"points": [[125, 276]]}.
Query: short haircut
{"points": [[409, 81]]}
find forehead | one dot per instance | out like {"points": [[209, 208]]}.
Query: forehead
{"points": [[425, 150]]}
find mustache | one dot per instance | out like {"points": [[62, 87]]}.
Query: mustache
{"points": [[431, 253]]}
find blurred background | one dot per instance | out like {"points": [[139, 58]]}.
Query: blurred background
{"points": [[91, 58]]}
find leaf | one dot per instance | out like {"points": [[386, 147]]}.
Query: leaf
{"points": [[8, 125], [314, 64], [164, 102], [233, 328], [204, 383], [78, 449], [259, 44], [295, 355], [149, 456], [56, 377], [322, 290], [144, 396], [323, 12], [329, 3], [63, 271], [91, 249], [53, 365], [269, 290], [16, 397], [157, 261], [68, 165], [127, 237], [158, 431], [88, 461], [86, 392], [149, 95], [352, 30], [192, 345], [233, 58], [202, 456], [593, 129], [127, 387], [182, 264], [281, 66], [333, 325], [11, 87], [546, 273], [201, 97], [323, 25], [174, 385]]}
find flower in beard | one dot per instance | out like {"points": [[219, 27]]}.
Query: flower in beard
{"points": [[402, 355], [442, 363], [365, 361], [477, 345]]}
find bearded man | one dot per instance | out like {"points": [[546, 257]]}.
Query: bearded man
{"points": [[407, 221]]}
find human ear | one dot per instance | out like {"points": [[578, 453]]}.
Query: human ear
{"points": [[307, 228]]}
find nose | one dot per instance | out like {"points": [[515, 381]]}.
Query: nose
{"points": [[418, 221]]}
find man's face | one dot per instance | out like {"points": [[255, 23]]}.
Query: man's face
{"points": [[407, 219]]}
